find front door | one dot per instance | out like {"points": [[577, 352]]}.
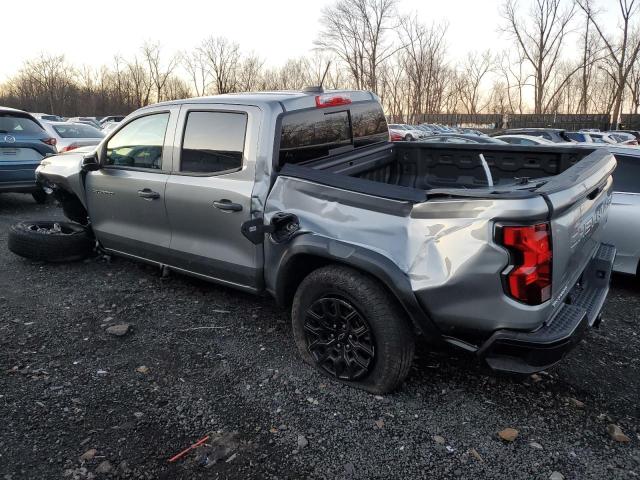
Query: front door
{"points": [[126, 197], [208, 194]]}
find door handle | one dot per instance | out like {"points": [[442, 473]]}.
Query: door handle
{"points": [[148, 193], [227, 205]]}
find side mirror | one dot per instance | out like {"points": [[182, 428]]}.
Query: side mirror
{"points": [[90, 163]]}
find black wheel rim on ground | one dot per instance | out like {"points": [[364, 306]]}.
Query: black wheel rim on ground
{"points": [[339, 338], [48, 228]]}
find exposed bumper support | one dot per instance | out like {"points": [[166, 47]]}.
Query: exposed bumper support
{"points": [[528, 352]]}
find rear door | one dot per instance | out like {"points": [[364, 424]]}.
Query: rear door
{"points": [[126, 197], [208, 194]]}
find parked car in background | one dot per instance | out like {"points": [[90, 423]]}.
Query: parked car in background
{"points": [[108, 127], [112, 118], [580, 137], [409, 132], [396, 135], [462, 138], [635, 133], [602, 137], [23, 143], [86, 120], [70, 136], [47, 117], [556, 135], [623, 138], [623, 225], [524, 140]]}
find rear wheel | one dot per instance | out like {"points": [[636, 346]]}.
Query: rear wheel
{"points": [[408, 138], [50, 241], [351, 329]]}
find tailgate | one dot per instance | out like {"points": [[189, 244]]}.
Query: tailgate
{"points": [[578, 200]]}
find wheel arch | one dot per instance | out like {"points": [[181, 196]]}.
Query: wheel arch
{"points": [[308, 252]]}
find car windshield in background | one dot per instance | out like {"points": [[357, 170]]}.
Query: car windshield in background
{"points": [[10, 123], [77, 131]]}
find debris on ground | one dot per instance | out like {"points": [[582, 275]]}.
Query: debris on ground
{"points": [[508, 434], [119, 330]]}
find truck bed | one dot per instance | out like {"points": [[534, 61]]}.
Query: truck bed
{"points": [[423, 169]]}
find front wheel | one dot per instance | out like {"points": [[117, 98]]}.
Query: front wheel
{"points": [[50, 241], [351, 329]]}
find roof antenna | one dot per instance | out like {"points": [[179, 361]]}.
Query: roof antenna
{"points": [[318, 88]]}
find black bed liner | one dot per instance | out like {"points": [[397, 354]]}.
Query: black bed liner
{"points": [[404, 171]]}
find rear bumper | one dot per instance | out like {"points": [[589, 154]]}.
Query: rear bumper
{"points": [[20, 187], [528, 352]]}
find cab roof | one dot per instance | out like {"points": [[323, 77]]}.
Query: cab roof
{"points": [[287, 99]]}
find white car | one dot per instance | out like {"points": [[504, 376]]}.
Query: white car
{"points": [[623, 224], [70, 136], [525, 140], [408, 132]]}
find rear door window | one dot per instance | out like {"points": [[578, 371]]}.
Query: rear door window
{"points": [[213, 142]]}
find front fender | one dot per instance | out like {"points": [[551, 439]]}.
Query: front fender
{"points": [[63, 172]]}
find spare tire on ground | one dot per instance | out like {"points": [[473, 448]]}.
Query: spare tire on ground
{"points": [[50, 241]]}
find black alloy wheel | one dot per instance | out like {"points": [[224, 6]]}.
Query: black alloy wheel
{"points": [[339, 338]]}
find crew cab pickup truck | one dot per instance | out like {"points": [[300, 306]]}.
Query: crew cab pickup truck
{"points": [[494, 249]]}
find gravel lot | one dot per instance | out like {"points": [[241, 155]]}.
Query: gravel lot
{"points": [[223, 363]]}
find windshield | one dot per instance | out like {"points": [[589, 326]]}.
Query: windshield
{"points": [[77, 131]]}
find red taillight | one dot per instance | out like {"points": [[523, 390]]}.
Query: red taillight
{"points": [[68, 148], [332, 100], [395, 137], [50, 141], [529, 278]]}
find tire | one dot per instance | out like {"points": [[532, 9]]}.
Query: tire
{"points": [[378, 334], [50, 241], [408, 138], [39, 196]]}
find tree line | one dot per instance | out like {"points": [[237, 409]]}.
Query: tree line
{"points": [[371, 44]]}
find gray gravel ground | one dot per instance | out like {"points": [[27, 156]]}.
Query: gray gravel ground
{"points": [[67, 387]]}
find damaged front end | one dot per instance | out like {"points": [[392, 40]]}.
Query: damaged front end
{"points": [[62, 177]]}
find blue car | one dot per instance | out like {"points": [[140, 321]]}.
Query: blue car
{"points": [[23, 143]]}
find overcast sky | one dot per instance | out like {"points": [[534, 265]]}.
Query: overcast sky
{"points": [[92, 32]]}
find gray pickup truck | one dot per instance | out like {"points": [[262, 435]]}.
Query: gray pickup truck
{"points": [[492, 249]]}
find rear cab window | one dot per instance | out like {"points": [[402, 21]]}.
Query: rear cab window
{"points": [[315, 133]]}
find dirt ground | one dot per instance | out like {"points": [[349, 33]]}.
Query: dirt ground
{"points": [[75, 402]]}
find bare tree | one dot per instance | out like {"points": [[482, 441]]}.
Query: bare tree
{"points": [[540, 38], [622, 51], [223, 58], [195, 64], [356, 32], [158, 72], [473, 73]]}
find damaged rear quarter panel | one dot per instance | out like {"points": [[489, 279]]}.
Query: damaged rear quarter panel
{"points": [[444, 246]]}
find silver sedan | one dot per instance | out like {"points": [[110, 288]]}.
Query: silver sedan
{"points": [[70, 136]]}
